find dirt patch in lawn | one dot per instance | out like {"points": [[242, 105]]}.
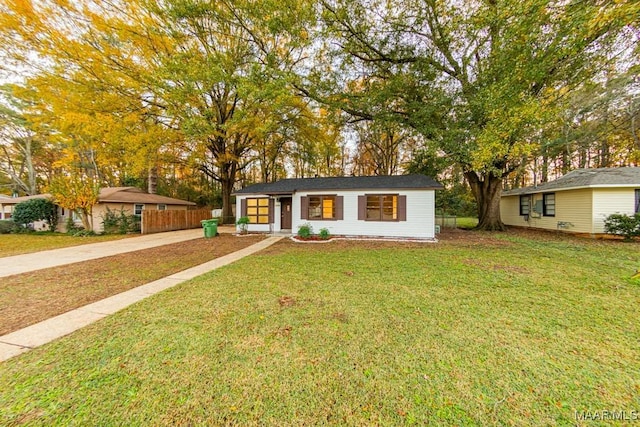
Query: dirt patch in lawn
{"points": [[29, 298]]}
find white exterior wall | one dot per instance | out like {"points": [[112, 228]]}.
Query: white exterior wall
{"points": [[607, 201], [419, 224], [420, 221], [257, 228]]}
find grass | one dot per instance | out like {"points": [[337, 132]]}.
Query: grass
{"points": [[504, 329], [28, 298], [466, 222], [16, 244]]}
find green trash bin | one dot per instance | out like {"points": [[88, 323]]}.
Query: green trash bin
{"points": [[210, 227]]}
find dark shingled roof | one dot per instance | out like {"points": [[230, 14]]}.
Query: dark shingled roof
{"points": [[585, 178], [393, 182]]}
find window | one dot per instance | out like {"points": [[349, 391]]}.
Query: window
{"points": [[137, 209], [383, 207], [525, 205], [162, 207], [258, 210], [549, 204], [322, 207], [637, 210]]}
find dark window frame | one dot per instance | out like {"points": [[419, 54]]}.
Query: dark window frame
{"points": [[381, 207], [637, 207], [546, 205], [257, 207], [528, 198], [321, 198], [135, 209]]}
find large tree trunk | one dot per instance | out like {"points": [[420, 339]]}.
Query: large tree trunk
{"points": [[227, 209], [486, 189]]}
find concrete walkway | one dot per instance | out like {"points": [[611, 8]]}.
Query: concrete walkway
{"points": [[46, 331], [19, 264]]}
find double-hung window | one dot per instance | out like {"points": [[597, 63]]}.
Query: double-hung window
{"points": [[137, 209], [525, 205], [322, 207], [382, 207], [549, 204]]}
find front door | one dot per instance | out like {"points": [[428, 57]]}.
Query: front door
{"points": [[285, 213]]}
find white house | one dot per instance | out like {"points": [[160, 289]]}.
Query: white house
{"points": [[401, 206], [578, 202]]}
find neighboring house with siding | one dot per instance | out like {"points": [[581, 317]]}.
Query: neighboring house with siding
{"points": [[131, 200], [578, 202], [401, 206], [8, 204]]}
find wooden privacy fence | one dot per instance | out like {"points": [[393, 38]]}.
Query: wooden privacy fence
{"points": [[170, 220]]}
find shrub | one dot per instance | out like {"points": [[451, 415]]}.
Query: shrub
{"points": [[243, 223], [305, 231], [324, 233], [33, 210], [8, 226], [72, 227], [623, 225], [119, 222]]}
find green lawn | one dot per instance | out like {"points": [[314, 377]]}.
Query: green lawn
{"points": [[15, 244], [483, 330]]}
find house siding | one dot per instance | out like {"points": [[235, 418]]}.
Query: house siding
{"points": [[510, 211], [100, 210], [573, 207], [420, 215], [607, 201]]}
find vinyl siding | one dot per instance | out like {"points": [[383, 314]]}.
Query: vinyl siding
{"points": [[419, 223], [257, 228], [572, 206], [607, 201], [510, 211]]}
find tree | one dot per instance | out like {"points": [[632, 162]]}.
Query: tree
{"points": [[479, 78], [19, 146], [76, 193], [36, 210], [188, 72]]}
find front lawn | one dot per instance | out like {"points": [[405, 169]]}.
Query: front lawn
{"points": [[480, 329], [16, 244]]}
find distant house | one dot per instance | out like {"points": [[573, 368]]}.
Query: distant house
{"points": [[131, 200], [7, 203], [376, 206], [577, 202]]}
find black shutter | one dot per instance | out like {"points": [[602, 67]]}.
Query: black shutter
{"points": [[243, 207]]}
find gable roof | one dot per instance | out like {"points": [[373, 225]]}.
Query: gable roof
{"points": [[586, 178], [391, 182], [113, 195], [136, 195], [16, 200]]}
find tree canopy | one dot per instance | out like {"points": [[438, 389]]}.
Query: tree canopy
{"points": [[203, 92]]}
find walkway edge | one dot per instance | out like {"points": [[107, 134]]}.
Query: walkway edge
{"points": [[41, 333]]}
